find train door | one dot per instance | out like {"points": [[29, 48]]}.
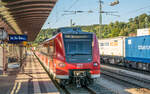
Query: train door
{"points": [[50, 59], [54, 58]]}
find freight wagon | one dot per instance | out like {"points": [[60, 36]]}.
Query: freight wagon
{"points": [[127, 51], [112, 50], [138, 52]]}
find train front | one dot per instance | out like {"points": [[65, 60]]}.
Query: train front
{"points": [[82, 57]]}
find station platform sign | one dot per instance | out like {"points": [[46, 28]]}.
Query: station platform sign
{"points": [[18, 38]]}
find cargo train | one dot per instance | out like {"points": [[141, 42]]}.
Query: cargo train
{"points": [[71, 56], [127, 51]]}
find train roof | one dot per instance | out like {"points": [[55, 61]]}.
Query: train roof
{"points": [[72, 30], [67, 30], [139, 36], [114, 38]]}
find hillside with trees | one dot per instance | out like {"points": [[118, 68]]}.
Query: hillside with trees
{"points": [[110, 30]]}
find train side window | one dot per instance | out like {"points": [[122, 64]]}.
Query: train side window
{"points": [[51, 50], [54, 50]]}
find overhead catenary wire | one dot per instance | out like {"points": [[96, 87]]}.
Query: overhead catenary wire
{"points": [[133, 11], [139, 9], [73, 4], [70, 7]]}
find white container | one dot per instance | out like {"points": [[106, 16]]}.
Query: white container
{"points": [[143, 32], [112, 46]]}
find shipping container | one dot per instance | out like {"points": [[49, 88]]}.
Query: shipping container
{"points": [[112, 46], [112, 50], [143, 32], [138, 49]]}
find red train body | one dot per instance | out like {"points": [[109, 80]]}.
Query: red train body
{"points": [[71, 56]]}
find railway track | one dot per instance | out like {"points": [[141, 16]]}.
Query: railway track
{"points": [[91, 89], [140, 81], [72, 89], [127, 68]]}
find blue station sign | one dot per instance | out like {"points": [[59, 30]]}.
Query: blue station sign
{"points": [[18, 38]]}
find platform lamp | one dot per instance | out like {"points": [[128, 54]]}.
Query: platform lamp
{"points": [[3, 36], [114, 3], [3, 33]]}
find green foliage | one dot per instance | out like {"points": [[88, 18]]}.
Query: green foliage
{"points": [[111, 30], [120, 28], [44, 34]]}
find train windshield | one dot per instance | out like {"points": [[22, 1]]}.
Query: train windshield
{"points": [[78, 50]]}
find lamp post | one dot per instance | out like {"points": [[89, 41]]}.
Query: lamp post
{"points": [[3, 36], [114, 3], [101, 12]]}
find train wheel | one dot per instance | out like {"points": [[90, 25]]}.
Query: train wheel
{"points": [[124, 64], [136, 65], [148, 67], [107, 61], [140, 66], [102, 60], [144, 66]]}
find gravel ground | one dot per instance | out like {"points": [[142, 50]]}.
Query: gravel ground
{"points": [[135, 74], [120, 87]]}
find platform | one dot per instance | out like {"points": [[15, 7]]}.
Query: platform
{"points": [[31, 79]]}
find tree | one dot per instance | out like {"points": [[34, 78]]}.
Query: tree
{"points": [[110, 30]]}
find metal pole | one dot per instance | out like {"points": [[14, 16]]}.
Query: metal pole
{"points": [[71, 23], [100, 17], [4, 60]]}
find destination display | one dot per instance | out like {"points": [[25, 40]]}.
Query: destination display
{"points": [[78, 36], [17, 37]]}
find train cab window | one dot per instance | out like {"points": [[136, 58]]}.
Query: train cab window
{"points": [[78, 47], [78, 50]]}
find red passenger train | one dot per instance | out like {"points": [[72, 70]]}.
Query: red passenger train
{"points": [[71, 56]]}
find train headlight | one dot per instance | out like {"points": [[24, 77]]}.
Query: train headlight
{"points": [[61, 64], [95, 64]]}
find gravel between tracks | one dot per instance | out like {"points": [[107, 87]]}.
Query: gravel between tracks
{"points": [[124, 81], [91, 89]]}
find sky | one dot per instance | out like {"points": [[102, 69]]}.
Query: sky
{"points": [[125, 9]]}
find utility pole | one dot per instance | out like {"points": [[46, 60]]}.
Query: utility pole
{"points": [[107, 12], [71, 23], [100, 17], [100, 13]]}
